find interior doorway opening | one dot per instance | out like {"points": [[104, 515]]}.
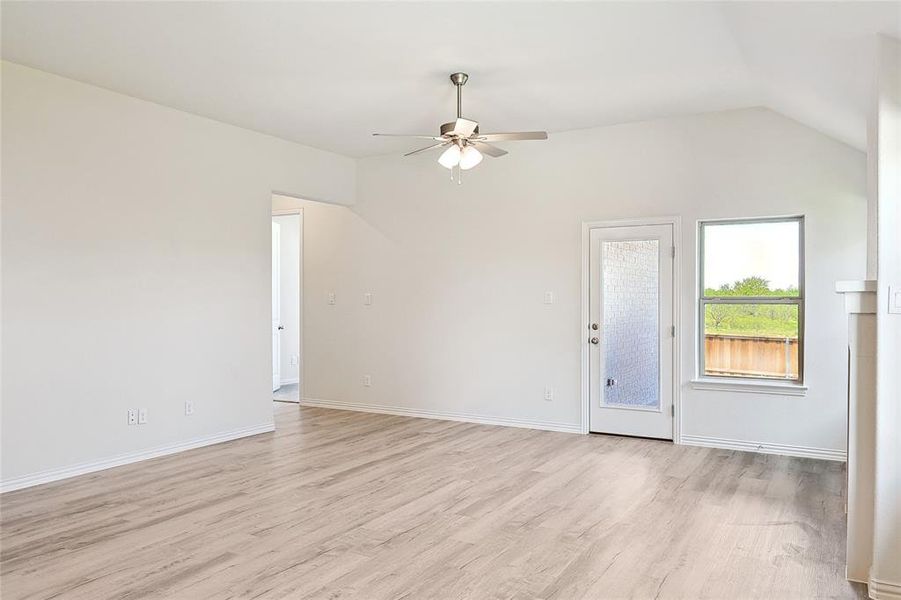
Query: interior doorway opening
{"points": [[287, 299]]}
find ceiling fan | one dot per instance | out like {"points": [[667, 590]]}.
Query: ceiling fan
{"points": [[464, 144]]}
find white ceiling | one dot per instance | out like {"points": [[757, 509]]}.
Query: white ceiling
{"points": [[329, 74]]}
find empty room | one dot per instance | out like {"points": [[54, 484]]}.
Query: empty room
{"points": [[450, 300]]}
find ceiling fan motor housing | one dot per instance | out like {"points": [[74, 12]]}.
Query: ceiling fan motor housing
{"points": [[448, 128]]}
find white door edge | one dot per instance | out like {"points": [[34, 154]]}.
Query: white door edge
{"points": [[276, 307]]}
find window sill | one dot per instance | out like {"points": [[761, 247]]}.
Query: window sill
{"points": [[752, 387]]}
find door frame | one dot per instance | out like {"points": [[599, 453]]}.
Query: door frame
{"points": [[282, 213], [584, 325]]}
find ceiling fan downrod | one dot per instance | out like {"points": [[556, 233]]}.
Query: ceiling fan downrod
{"points": [[459, 80]]}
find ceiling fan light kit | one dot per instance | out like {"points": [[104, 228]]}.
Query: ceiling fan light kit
{"points": [[469, 158], [450, 158], [464, 145]]}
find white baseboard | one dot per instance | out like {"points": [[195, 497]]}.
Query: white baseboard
{"points": [[289, 381], [765, 447], [879, 589], [441, 415], [18, 483]]}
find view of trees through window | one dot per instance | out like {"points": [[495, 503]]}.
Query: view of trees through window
{"points": [[757, 320]]}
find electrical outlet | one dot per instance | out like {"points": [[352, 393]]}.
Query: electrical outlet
{"points": [[331, 298], [293, 360], [367, 380], [132, 416], [189, 407], [142, 416], [548, 393], [549, 297]]}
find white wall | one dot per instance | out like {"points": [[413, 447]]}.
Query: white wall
{"points": [[289, 267], [885, 575], [136, 247], [458, 325]]}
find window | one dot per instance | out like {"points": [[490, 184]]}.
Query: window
{"points": [[751, 309]]}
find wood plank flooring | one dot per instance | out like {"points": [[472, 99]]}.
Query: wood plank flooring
{"points": [[338, 504]]}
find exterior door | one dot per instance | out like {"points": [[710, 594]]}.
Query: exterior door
{"points": [[631, 330], [276, 308]]}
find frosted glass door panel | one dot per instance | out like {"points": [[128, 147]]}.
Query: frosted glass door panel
{"points": [[631, 323]]}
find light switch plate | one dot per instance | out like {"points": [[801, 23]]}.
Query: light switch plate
{"points": [[367, 298], [894, 299], [549, 297]]}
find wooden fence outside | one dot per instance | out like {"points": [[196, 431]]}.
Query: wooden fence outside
{"points": [[751, 356]]}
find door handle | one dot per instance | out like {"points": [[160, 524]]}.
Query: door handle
{"points": [[280, 327], [595, 341]]}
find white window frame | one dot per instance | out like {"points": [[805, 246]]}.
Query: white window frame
{"points": [[707, 381]]}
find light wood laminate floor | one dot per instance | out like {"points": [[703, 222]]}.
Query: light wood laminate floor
{"points": [[338, 504]]}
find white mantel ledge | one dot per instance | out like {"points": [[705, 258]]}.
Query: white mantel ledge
{"points": [[860, 295]]}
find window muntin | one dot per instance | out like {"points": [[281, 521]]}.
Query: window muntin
{"points": [[751, 308]]}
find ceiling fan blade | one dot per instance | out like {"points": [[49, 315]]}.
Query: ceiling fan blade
{"points": [[488, 149], [511, 137], [438, 145], [404, 135], [464, 127]]}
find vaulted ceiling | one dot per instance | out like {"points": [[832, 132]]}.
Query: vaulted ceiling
{"points": [[329, 74]]}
